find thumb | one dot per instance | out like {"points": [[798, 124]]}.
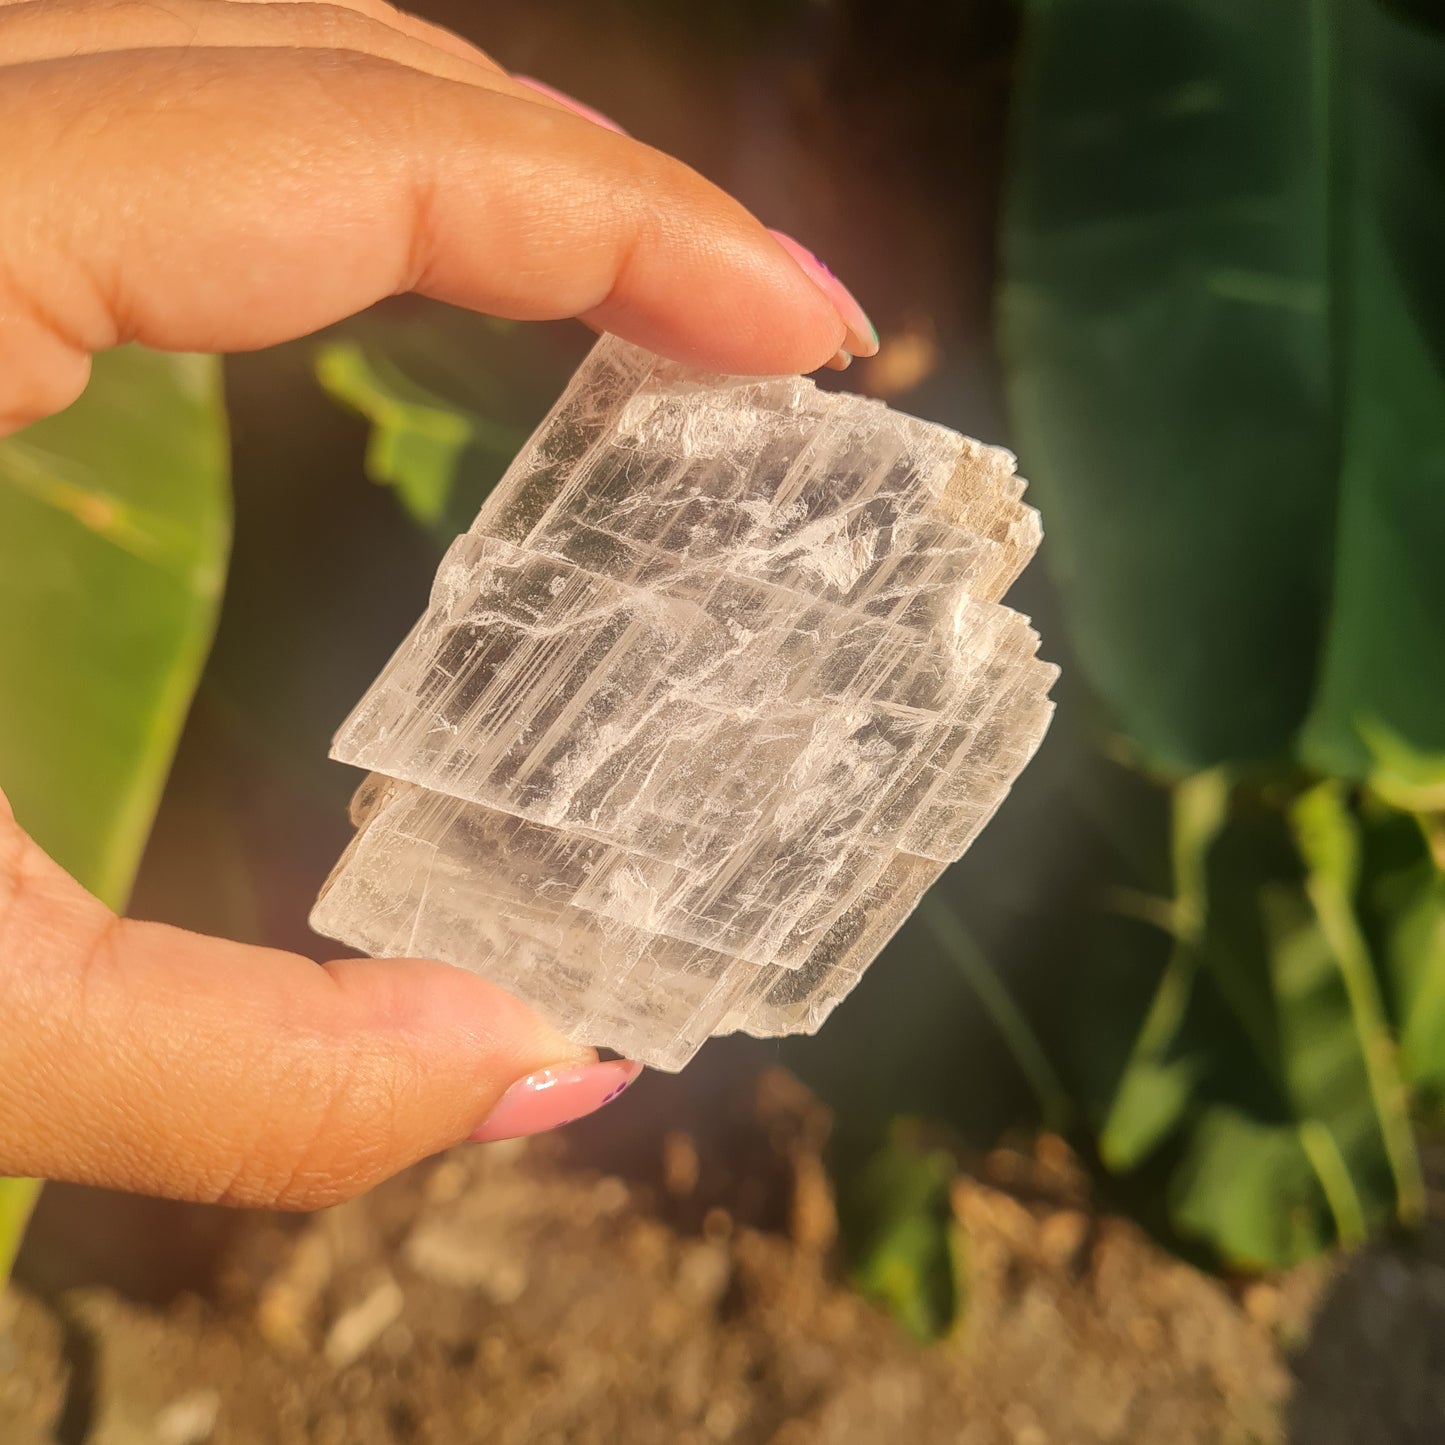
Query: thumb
{"points": [[142, 1057]]}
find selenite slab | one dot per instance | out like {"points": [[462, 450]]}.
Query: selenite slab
{"points": [[715, 686]]}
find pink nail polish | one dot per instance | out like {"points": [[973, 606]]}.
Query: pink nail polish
{"points": [[562, 98], [553, 1097], [863, 337]]}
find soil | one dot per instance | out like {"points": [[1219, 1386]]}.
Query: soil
{"points": [[517, 1294]]}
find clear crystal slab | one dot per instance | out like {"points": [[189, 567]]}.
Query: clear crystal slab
{"points": [[713, 688]]}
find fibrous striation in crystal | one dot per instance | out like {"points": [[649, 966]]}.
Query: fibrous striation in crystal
{"points": [[714, 687]]}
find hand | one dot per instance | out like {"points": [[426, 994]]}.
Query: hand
{"points": [[208, 175]]}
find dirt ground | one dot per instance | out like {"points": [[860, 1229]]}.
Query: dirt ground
{"points": [[517, 1294]]}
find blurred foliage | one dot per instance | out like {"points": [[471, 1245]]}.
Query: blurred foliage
{"points": [[114, 528], [958, 947], [114, 525], [1224, 336], [1265, 1083], [444, 399], [419, 443], [897, 1219], [1223, 327]]}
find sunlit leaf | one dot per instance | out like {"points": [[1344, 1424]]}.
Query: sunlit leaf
{"points": [[1330, 843], [1158, 1083], [1152, 1098], [450, 398], [114, 528]]}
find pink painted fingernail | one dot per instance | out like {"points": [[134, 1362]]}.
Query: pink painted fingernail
{"points": [[553, 1097], [862, 335], [562, 98]]}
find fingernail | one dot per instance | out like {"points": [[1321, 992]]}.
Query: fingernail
{"points": [[553, 1097], [841, 361], [862, 336], [562, 98]]}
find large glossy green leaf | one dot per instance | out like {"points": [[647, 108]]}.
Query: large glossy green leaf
{"points": [[113, 539], [1165, 323], [114, 526], [1382, 686], [1224, 326]]}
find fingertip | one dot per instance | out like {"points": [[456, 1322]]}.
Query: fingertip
{"points": [[862, 334], [425, 999], [735, 303]]}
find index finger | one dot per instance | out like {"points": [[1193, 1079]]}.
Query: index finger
{"points": [[219, 200]]}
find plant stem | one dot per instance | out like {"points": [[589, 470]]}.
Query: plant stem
{"points": [[1199, 810], [1334, 1176], [1326, 833], [1023, 1043]]}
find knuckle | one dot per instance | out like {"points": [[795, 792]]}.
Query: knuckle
{"points": [[152, 18], [345, 1139], [14, 846], [44, 362], [339, 27], [30, 905], [41, 373]]}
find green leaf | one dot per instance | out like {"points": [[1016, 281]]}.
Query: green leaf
{"points": [[114, 527], [423, 444], [898, 1220], [1166, 334], [1281, 1033], [417, 439], [1263, 1033], [1224, 329], [1410, 780], [17, 1200], [1385, 653], [1153, 1097], [1249, 1188]]}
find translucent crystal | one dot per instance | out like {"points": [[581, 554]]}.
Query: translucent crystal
{"points": [[714, 687]]}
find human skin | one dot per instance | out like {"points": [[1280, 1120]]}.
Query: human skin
{"points": [[223, 175]]}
